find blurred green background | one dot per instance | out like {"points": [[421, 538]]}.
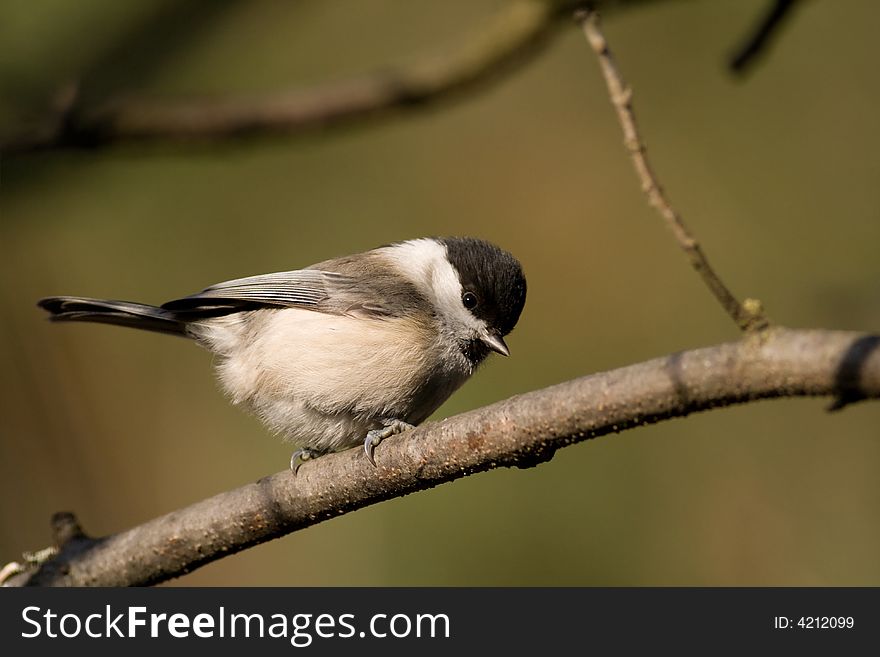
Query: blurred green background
{"points": [[778, 175]]}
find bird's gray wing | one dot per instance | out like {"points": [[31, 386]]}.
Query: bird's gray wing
{"points": [[311, 289]]}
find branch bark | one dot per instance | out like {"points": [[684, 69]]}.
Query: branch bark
{"points": [[521, 431]]}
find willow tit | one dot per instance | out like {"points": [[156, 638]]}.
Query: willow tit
{"points": [[349, 350]]}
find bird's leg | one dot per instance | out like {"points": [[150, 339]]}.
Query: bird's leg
{"points": [[376, 436], [302, 455]]}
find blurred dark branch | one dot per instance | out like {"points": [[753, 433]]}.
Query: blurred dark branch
{"points": [[153, 38], [507, 38], [512, 36], [137, 52], [760, 39], [521, 431], [748, 315]]}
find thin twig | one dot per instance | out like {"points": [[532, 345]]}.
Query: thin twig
{"points": [[521, 431], [748, 315], [761, 37]]}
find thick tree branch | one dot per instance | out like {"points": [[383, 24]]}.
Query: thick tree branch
{"points": [[507, 38], [748, 315], [521, 431]]}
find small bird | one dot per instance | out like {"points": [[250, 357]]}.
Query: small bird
{"points": [[347, 351]]}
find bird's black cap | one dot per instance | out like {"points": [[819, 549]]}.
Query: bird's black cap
{"points": [[494, 276]]}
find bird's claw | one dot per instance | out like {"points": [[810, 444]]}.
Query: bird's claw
{"points": [[376, 436], [300, 456]]}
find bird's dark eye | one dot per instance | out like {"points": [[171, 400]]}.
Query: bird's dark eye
{"points": [[470, 301]]}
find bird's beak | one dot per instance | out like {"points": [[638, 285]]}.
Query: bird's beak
{"points": [[496, 343]]}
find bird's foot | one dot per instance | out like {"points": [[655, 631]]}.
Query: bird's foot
{"points": [[376, 436], [302, 455]]}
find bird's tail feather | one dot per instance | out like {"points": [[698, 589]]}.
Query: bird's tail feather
{"points": [[120, 313]]}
